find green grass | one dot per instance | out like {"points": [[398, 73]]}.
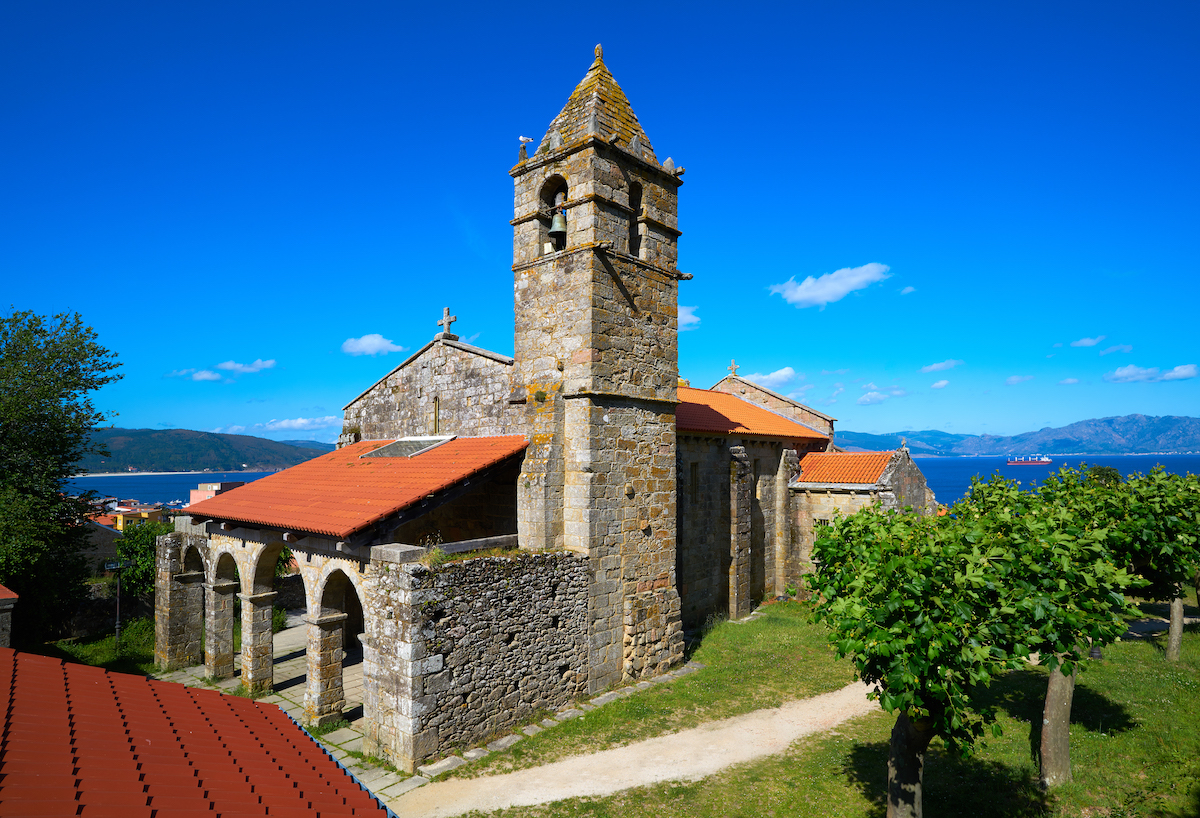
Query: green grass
{"points": [[776, 658], [1135, 751], [136, 653]]}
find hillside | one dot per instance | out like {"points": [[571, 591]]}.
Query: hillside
{"points": [[1131, 434], [186, 450]]}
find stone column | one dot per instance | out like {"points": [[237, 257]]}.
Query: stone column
{"points": [[178, 607], [741, 498], [324, 699], [7, 602], [218, 630], [258, 643], [787, 558]]}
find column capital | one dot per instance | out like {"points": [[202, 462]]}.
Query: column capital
{"points": [[325, 621], [259, 599]]}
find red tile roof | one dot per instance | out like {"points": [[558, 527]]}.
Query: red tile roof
{"points": [[342, 492], [701, 410], [80, 740], [6, 593], [843, 467]]}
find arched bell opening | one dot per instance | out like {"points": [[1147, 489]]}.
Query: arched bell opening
{"points": [[222, 607], [334, 646], [552, 217]]}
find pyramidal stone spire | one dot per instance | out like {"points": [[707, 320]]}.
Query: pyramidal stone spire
{"points": [[599, 106]]}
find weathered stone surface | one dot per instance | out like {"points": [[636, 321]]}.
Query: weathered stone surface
{"points": [[503, 743], [444, 766]]}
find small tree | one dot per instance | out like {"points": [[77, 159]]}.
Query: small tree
{"points": [[48, 370], [138, 545]]}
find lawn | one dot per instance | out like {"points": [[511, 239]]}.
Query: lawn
{"points": [[1135, 749], [136, 653]]}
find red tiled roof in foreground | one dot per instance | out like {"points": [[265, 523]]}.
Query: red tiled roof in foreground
{"points": [[843, 467], [700, 410], [80, 740], [342, 492], [6, 593]]}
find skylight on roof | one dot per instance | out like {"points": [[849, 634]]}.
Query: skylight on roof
{"points": [[410, 446]]}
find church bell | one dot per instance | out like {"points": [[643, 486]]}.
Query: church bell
{"points": [[558, 225]]}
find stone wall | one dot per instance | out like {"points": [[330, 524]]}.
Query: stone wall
{"points": [[907, 486], [456, 654], [447, 388], [750, 391]]}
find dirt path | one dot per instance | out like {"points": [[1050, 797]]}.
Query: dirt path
{"points": [[685, 756]]}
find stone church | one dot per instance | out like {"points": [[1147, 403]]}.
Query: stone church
{"points": [[631, 506]]}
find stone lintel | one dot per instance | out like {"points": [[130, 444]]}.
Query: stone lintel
{"points": [[398, 553], [265, 598], [325, 620], [223, 587]]}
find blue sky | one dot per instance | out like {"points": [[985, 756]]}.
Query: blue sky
{"points": [[969, 217]]}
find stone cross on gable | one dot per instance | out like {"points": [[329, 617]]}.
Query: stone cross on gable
{"points": [[733, 366], [447, 320]]}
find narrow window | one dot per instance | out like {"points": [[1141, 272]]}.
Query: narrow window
{"points": [[635, 205], [694, 483], [437, 411]]}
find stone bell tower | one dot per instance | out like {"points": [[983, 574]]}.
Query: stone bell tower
{"points": [[597, 365]]}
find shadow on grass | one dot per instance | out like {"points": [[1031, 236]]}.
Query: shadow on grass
{"points": [[975, 787], [1022, 695]]}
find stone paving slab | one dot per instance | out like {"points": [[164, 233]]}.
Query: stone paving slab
{"points": [[407, 784], [504, 743], [341, 736], [354, 745], [567, 715], [477, 753], [532, 730], [444, 766]]}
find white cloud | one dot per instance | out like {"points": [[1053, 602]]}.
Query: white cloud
{"points": [[1181, 373], [206, 375], [1088, 342], [1056, 346], [775, 379], [939, 384], [896, 392], [1137, 374], [1118, 348], [908, 290], [941, 366], [258, 365], [179, 373], [798, 394], [868, 385], [1069, 381], [688, 318], [817, 292], [302, 424], [373, 344], [1013, 380], [834, 371], [229, 430], [872, 398]]}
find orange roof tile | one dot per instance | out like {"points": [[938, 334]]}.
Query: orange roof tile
{"points": [[843, 467], [342, 492], [83, 740], [701, 410], [5, 593]]}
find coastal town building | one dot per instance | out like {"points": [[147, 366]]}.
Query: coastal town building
{"points": [[617, 506]]}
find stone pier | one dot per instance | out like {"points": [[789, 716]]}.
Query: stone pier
{"points": [[324, 698], [257, 641], [218, 630], [741, 495], [178, 602]]}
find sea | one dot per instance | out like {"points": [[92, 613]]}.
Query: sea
{"points": [[949, 477]]}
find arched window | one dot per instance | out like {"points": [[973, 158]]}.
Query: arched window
{"points": [[552, 199], [635, 205]]}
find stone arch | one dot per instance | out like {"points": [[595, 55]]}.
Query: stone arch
{"points": [[262, 578], [551, 198], [335, 621], [193, 560], [222, 592], [258, 643]]}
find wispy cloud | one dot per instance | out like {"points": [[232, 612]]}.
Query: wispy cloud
{"points": [[834, 371], [775, 379], [872, 398], [1056, 346], [939, 384], [869, 385], [908, 290], [1088, 342], [1013, 380], [897, 392], [243, 369], [206, 375], [817, 292], [942, 366], [373, 344], [1137, 374], [688, 318], [179, 373], [1117, 348], [1069, 381], [799, 392]]}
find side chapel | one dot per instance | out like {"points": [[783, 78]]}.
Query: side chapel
{"points": [[638, 506]]}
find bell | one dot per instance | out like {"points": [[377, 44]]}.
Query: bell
{"points": [[558, 226]]}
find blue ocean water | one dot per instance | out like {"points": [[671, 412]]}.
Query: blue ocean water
{"points": [[950, 477], [156, 488]]}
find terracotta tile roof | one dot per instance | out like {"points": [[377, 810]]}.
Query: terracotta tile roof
{"points": [[701, 410], [614, 114], [341, 492], [80, 740], [843, 467], [6, 593]]}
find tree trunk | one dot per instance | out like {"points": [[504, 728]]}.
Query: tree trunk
{"points": [[906, 766], [1056, 729], [1175, 633]]}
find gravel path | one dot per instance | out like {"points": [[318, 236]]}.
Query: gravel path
{"points": [[685, 756]]}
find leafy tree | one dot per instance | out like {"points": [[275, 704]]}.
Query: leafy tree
{"points": [[48, 370], [138, 545]]}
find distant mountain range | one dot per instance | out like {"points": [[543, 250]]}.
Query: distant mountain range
{"points": [[186, 450], [1131, 434]]}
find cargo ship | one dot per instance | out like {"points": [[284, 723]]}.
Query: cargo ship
{"points": [[1032, 460]]}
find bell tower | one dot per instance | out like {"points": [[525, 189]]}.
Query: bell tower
{"points": [[596, 366]]}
